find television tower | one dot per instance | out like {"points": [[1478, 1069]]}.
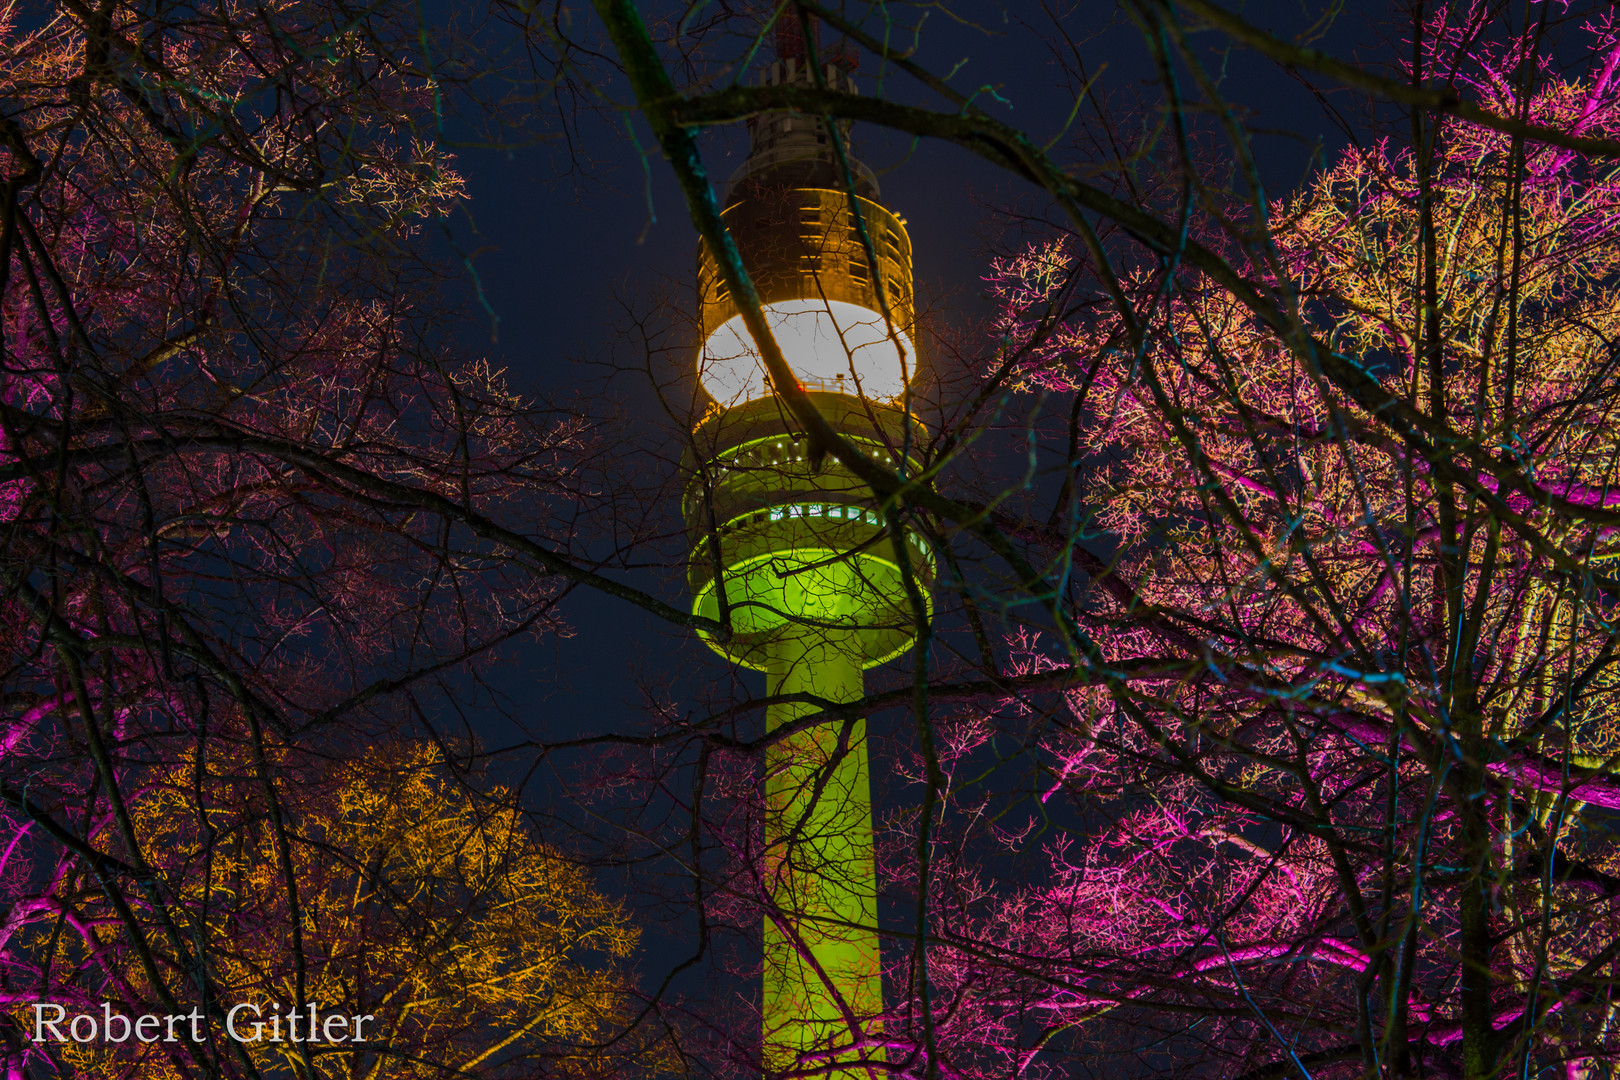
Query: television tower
{"points": [[796, 553]]}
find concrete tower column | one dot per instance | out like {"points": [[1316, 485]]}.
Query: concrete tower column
{"points": [[823, 978]]}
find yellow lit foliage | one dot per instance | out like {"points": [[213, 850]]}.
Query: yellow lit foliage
{"points": [[438, 911], [1525, 272]]}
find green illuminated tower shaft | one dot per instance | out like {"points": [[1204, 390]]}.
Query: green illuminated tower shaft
{"points": [[822, 976], [794, 553]]}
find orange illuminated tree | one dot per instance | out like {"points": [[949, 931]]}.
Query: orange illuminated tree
{"points": [[441, 916]]}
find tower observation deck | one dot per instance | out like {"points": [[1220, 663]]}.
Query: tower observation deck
{"points": [[796, 554]]}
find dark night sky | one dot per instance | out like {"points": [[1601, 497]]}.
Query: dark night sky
{"points": [[551, 252]]}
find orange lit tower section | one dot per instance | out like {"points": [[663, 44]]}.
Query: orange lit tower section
{"points": [[795, 553]]}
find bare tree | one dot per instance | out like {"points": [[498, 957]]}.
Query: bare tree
{"points": [[247, 494], [1255, 720]]}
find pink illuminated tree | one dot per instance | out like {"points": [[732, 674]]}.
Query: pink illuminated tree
{"points": [[1346, 755]]}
